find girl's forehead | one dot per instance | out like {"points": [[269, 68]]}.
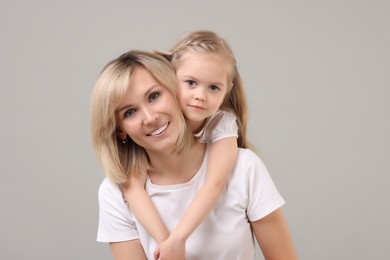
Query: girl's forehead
{"points": [[202, 55], [192, 56]]}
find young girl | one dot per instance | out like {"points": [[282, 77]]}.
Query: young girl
{"points": [[212, 99]]}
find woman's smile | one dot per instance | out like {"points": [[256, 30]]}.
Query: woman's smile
{"points": [[159, 130]]}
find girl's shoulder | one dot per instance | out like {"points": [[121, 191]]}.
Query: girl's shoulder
{"points": [[220, 125], [223, 114], [221, 118]]}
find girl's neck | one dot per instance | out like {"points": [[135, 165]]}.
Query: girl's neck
{"points": [[176, 168]]}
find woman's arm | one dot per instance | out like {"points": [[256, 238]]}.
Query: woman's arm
{"points": [[144, 209], [131, 249], [222, 158], [273, 237]]}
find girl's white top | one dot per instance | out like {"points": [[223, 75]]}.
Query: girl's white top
{"points": [[226, 127]]}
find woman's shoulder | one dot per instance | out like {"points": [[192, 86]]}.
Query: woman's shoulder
{"points": [[106, 185], [116, 222], [247, 155], [257, 189], [110, 191], [249, 162]]}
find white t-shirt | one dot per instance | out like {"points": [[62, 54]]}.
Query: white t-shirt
{"points": [[225, 128], [250, 195]]}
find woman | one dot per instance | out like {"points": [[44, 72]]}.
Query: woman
{"points": [[137, 126]]}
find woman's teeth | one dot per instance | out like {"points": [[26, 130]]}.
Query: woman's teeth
{"points": [[159, 131]]}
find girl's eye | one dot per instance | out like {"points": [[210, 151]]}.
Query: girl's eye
{"points": [[154, 96], [213, 88], [191, 83], [129, 113]]}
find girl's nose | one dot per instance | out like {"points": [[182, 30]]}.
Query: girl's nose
{"points": [[199, 94]]}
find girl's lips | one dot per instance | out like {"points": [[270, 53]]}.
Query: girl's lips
{"points": [[159, 131], [197, 107]]}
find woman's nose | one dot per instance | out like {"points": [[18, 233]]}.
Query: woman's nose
{"points": [[150, 117]]}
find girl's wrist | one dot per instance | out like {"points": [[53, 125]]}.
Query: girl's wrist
{"points": [[178, 237], [161, 239]]}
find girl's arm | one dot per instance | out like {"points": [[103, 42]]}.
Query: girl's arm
{"points": [[273, 237], [144, 209], [222, 158], [131, 249]]}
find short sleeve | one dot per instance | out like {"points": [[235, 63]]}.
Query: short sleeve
{"points": [[262, 195], [225, 128], [116, 223]]}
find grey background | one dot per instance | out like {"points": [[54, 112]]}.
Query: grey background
{"points": [[317, 80]]}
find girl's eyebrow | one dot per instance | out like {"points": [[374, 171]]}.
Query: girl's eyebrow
{"points": [[146, 94], [218, 84], [189, 76]]}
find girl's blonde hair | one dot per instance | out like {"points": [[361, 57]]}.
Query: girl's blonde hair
{"points": [[210, 42], [120, 159]]}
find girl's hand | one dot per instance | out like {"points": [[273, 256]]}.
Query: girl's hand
{"points": [[170, 249]]}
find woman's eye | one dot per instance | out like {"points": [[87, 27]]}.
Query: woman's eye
{"points": [[154, 96], [191, 83], [129, 113], [213, 88]]}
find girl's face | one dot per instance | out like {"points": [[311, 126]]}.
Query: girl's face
{"points": [[147, 113], [203, 84]]}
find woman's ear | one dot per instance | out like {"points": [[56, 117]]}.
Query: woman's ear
{"points": [[121, 134]]}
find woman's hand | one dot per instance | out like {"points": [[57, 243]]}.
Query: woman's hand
{"points": [[171, 249]]}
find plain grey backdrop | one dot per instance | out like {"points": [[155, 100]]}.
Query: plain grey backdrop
{"points": [[317, 80]]}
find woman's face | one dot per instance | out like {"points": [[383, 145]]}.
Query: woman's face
{"points": [[148, 113]]}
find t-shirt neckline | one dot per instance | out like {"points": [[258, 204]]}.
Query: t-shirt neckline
{"points": [[193, 180]]}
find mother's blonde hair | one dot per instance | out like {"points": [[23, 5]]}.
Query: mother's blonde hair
{"points": [[120, 159]]}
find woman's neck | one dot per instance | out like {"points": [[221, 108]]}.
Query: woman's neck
{"points": [[176, 168]]}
